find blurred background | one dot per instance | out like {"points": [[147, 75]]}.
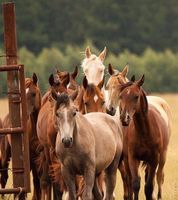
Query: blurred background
{"points": [[142, 33], [55, 34]]}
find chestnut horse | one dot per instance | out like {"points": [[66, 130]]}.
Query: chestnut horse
{"points": [[113, 85], [33, 97], [90, 98], [146, 138], [47, 136], [81, 142], [62, 76]]}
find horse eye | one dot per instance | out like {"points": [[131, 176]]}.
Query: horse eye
{"points": [[58, 114], [74, 113], [33, 94], [103, 102], [136, 97]]}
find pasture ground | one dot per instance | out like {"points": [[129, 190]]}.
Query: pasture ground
{"points": [[170, 187]]}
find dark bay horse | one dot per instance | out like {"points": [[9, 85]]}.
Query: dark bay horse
{"points": [[33, 97], [86, 145], [146, 138]]}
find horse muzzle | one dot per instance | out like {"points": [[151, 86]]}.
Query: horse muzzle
{"points": [[67, 142], [125, 120], [111, 111]]}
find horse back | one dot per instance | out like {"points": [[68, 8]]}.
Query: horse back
{"points": [[108, 141]]}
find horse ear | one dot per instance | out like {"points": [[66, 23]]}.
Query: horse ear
{"points": [[102, 54], [51, 80], [141, 81], [54, 95], [110, 69], [88, 52], [35, 79], [133, 78], [85, 82], [66, 80], [100, 85], [125, 70], [75, 73]]}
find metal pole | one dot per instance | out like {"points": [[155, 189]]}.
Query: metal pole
{"points": [[13, 95]]}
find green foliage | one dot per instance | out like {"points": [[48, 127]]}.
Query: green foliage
{"points": [[117, 24], [160, 69]]}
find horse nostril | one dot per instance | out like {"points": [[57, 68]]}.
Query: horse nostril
{"points": [[67, 141]]}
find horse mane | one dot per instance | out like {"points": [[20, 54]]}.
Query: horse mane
{"points": [[62, 99], [28, 82], [125, 85], [91, 88], [144, 101]]}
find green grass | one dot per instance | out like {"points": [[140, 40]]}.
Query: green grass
{"points": [[170, 187]]}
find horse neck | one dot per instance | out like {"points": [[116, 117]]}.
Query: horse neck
{"points": [[140, 118], [33, 121]]}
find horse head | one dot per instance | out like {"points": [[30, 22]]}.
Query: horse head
{"points": [[33, 94], [64, 114], [132, 100], [93, 66], [113, 86], [93, 98]]}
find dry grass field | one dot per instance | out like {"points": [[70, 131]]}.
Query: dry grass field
{"points": [[170, 188]]}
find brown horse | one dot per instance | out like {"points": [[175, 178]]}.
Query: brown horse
{"points": [[81, 142], [146, 138], [33, 97], [90, 98], [61, 78], [47, 136], [114, 84]]}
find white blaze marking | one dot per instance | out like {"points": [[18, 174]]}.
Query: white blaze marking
{"points": [[95, 98], [27, 90], [66, 127], [128, 92]]}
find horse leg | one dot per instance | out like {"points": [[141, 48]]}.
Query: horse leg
{"points": [[5, 154], [124, 177], [45, 182], [129, 179], [149, 186], [70, 183], [160, 174], [98, 188], [36, 183], [89, 177], [110, 179], [57, 193], [134, 165]]}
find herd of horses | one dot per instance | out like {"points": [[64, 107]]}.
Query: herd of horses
{"points": [[80, 135]]}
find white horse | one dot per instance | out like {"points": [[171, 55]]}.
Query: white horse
{"points": [[94, 68]]}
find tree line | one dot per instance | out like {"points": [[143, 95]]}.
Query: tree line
{"points": [[160, 69], [117, 24]]}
